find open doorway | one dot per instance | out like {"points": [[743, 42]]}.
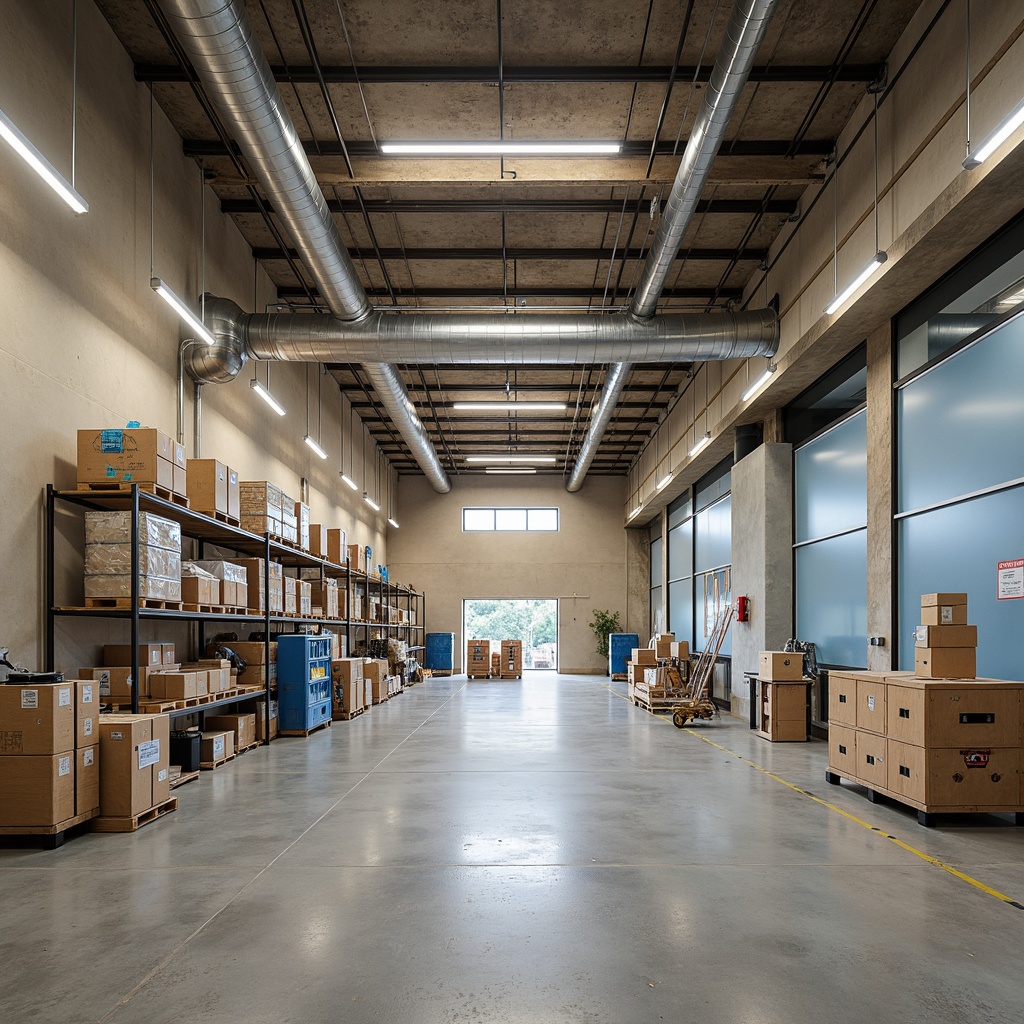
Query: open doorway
{"points": [[534, 622]]}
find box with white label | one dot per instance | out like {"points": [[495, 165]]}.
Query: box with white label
{"points": [[87, 780], [37, 719], [215, 746], [87, 712], [37, 790], [134, 752]]}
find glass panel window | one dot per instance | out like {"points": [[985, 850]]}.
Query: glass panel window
{"points": [[542, 519], [510, 518], [680, 609], [656, 558], [478, 519], [713, 528], [680, 550]]}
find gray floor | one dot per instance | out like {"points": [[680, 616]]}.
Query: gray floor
{"points": [[518, 852]]}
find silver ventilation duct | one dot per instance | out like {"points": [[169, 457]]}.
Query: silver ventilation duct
{"points": [[219, 40], [743, 36]]}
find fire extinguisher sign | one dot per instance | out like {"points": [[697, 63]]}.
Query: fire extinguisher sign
{"points": [[1010, 580]]}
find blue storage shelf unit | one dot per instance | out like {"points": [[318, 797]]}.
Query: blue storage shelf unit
{"points": [[303, 681], [620, 650], [440, 653]]}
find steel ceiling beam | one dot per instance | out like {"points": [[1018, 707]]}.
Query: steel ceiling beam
{"points": [[260, 252], [289, 292]]}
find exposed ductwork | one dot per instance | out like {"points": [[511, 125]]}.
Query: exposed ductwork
{"points": [[743, 36], [219, 40]]}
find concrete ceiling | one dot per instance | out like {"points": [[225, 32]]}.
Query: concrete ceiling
{"points": [[527, 233]]}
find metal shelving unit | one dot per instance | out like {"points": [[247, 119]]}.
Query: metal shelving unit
{"points": [[204, 530]]}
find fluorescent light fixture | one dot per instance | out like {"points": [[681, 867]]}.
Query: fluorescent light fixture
{"points": [[498, 471], [316, 448], [266, 396], [663, 482], [20, 144], [759, 383], [391, 522], [369, 501], [500, 406], [876, 261], [181, 308], [701, 444], [499, 148], [635, 512], [348, 480], [510, 458], [1005, 129]]}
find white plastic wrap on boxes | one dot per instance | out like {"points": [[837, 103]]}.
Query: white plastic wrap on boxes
{"points": [[156, 588], [116, 528], [116, 560], [227, 571]]}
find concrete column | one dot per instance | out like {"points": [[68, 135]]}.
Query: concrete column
{"points": [[762, 559], [638, 583], [880, 496]]}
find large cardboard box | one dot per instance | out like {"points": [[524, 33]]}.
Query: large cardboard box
{"points": [[318, 540], [208, 486], [945, 662], [121, 654], [511, 658], [380, 689], [37, 719], [291, 604], [344, 670], [242, 727], [87, 779], [216, 745], [134, 760], [115, 682], [644, 656], [324, 599], [302, 521], [87, 712], [37, 789], [946, 636], [680, 649], [337, 549], [172, 685], [139, 455], [356, 557], [347, 695], [375, 669], [260, 713], [200, 590], [779, 666], [234, 500]]}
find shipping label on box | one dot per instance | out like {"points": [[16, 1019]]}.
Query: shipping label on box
{"points": [[946, 636]]}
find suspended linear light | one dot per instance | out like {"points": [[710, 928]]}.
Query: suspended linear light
{"points": [[498, 471], [510, 407], [499, 148], [369, 501], [701, 444], [316, 447], [391, 522], [876, 261], [635, 512], [267, 396], [348, 480], [510, 458], [1005, 129], [182, 309], [663, 482], [759, 383], [21, 145]]}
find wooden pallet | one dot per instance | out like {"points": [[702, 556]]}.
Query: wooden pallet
{"points": [[346, 716], [220, 517], [208, 766], [231, 609], [619, 677], [505, 675], [125, 604], [52, 835], [136, 821], [381, 700], [248, 746], [304, 733], [182, 778], [655, 705], [122, 487], [204, 609]]}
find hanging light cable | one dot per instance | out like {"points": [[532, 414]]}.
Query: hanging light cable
{"points": [[351, 454], [314, 444]]}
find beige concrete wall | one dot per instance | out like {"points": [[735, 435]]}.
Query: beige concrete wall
{"points": [[85, 342], [583, 565]]}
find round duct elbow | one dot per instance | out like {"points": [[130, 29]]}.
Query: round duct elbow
{"points": [[221, 362]]}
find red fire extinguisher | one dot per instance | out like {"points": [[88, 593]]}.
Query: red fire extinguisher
{"points": [[742, 609]]}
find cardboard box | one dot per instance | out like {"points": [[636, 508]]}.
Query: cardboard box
{"points": [[511, 658], [946, 636], [168, 654], [121, 654], [680, 649], [242, 727], [219, 670], [37, 790], [180, 481], [291, 604], [172, 685], [945, 662], [207, 486], [318, 540], [644, 656], [379, 687], [260, 713], [337, 549], [87, 779], [324, 599], [234, 499], [134, 752], [944, 615], [356, 557], [779, 666], [87, 712], [115, 682], [367, 693], [38, 719], [375, 669], [304, 597], [216, 746], [200, 590], [302, 522], [931, 600], [253, 652], [345, 670], [132, 455], [347, 695]]}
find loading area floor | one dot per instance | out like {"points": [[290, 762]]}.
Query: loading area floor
{"points": [[536, 851]]}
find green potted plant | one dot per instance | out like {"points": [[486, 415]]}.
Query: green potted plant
{"points": [[605, 622]]}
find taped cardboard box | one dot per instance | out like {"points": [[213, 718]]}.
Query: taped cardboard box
{"points": [[215, 746], [37, 719], [344, 670], [149, 654], [87, 779], [115, 681], [946, 636], [200, 589], [945, 662], [87, 712], [173, 685], [318, 540], [134, 752], [219, 670], [207, 486], [242, 728], [126, 455], [37, 790]]}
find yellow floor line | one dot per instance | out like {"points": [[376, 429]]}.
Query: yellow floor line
{"points": [[846, 814]]}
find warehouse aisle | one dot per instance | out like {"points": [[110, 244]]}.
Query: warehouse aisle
{"points": [[527, 852]]}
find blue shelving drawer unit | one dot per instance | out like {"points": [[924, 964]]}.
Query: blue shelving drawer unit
{"points": [[440, 653], [303, 682], [620, 650]]}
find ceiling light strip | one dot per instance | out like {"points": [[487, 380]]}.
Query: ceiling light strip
{"points": [[182, 309], [266, 396], [19, 142], [876, 261], [510, 148], [510, 458], [500, 406]]}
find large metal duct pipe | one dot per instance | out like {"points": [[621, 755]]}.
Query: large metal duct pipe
{"points": [[219, 40], [732, 67]]}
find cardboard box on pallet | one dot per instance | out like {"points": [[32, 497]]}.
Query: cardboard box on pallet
{"points": [[108, 556], [180, 469], [302, 518], [337, 549], [259, 711], [379, 688], [132, 455], [478, 658], [38, 790], [242, 727], [290, 596], [347, 695], [324, 599], [115, 682], [215, 746], [219, 670], [375, 669], [234, 581], [134, 761], [173, 685], [318, 540], [780, 666], [304, 597], [121, 654], [37, 719], [208, 486], [644, 656], [87, 779], [204, 590], [256, 580], [87, 712], [344, 670], [356, 557], [234, 498]]}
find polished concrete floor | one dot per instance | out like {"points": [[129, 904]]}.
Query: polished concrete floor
{"points": [[526, 853]]}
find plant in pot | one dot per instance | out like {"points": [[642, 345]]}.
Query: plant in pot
{"points": [[604, 622]]}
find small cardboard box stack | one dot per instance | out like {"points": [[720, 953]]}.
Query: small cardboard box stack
{"points": [[347, 689], [375, 671], [304, 598], [257, 671], [114, 678], [242, 728], [260, 503], [324, 599], [199, 588], [302, 524], [291, 603], [135, 758], [945, 645], [478, 659], [782, 716], [663, 644], [49, 754], [234, 581], [216, 747], [108, 556], [289, 520], [133, 455], [256, 580], [213, 489], [511, 659]]}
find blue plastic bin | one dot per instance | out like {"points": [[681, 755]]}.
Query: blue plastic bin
{"points": [[440, 653], [620, 650]]}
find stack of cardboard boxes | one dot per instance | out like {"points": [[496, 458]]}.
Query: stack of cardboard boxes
{"points": [[782, 714], [357, 684], [234, 582], [133, 455], [478, 659], [49, 754], [945, 645], [647, 678], [213, 489], [135, 755], [108, 556], [114, 676], [511, 665]]}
